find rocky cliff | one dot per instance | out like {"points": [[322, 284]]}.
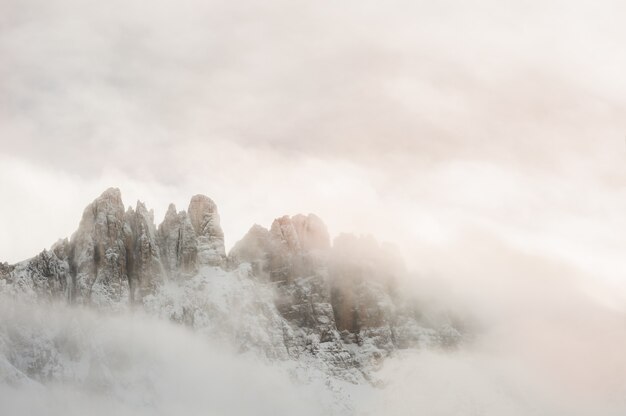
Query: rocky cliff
{"points": [[285, 292]]}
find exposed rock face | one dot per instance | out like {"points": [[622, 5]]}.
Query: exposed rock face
{"points": [[337, 296], [120, 256], [114, 254], [98, 252], [297, 244], [348, 288], [206, 223], [285, 291], [143, 262], [45, 276], [5, 270], [311, 232], [255, 248], [192, 239], [177, 238], [292, 254]]}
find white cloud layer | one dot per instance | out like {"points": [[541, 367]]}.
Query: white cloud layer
{"points": [[484, 138], [413, 121]]}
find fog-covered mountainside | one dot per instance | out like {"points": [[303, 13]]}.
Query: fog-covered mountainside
{"points": [[284, 294]]}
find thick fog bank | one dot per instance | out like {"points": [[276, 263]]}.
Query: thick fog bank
{"points": [[71, 361], [60, 360]]}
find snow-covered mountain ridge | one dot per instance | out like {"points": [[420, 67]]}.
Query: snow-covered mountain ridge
{"points": [[283, 293]]}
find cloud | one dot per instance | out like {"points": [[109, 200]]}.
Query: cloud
{"points": [[133, 365], [484, 138], [91, 85]]}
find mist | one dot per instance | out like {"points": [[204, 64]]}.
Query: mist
{"points": [[540, 341], [482, 141], [417, 119], [539, 345], [131, 365]]}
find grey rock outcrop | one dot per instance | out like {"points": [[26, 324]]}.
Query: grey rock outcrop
{"points": [[299, 295], [98, 257], [336, 295], [177, 239], [191, 239], [205, 220], [114, 255], [119, 256], [293, 246], [45, 276], [292, 255], [255, 248], [143, 263]]}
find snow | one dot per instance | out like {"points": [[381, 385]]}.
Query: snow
{"points": [[133, 363]]}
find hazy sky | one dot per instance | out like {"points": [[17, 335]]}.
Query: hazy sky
{"points": [[444, 127], [486, 139]]}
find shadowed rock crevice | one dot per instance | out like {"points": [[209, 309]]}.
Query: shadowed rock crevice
{"points": [[178, 244]]}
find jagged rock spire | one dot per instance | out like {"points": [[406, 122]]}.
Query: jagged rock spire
{"points": [[118, 255], [144, 268], [177, 239], [98, 254], [206, 224]]}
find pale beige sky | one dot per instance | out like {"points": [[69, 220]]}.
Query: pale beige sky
{"points": [[424, 124]]}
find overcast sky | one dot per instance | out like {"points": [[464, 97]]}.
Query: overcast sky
{"points": [[442, 127]]}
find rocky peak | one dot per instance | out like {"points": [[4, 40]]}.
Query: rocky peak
{"points": [[109, 201], [171, 212], [142, 211], [117, 255], [205, 220], [300, 233], [314, 299], [347, 288], [284, 233], [312, 232], [98, 252], [290, 248], [178, 243], [143, 263], [256, 248]]}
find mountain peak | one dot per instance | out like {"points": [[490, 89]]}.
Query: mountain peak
{"points": [[285, 292], [111, 193]]}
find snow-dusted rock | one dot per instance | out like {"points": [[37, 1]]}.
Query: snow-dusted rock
{"points": [[226, 305], [285, 293], [98, 256], [177, 240], [206, 223], [144, 268], [341, 302], [114, 255], [44, 277], [255, 248]]}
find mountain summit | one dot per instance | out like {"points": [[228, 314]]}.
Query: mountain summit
{"points": [[285, 292]]}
